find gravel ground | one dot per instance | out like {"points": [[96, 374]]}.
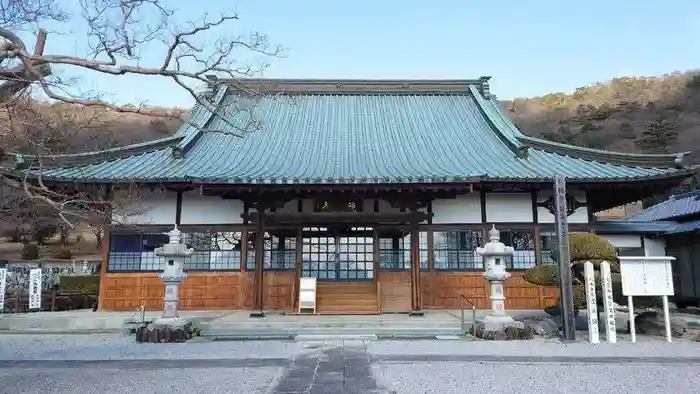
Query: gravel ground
{"points": [[109, 363], [460, 378]]}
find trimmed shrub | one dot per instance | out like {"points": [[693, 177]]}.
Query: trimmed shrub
{"points": [[62, 253], [543, 275], [30, 252], [87, 284], [43, 232], [591, 247]]}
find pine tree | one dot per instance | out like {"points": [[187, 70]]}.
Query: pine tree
{"points": [[627, 131], [658, 135]]}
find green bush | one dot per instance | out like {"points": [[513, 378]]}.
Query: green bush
{"points": [[582, 247], [62, 253], [591, 247], [543, 275], [87, 284], [30, 252], [42, 232]]}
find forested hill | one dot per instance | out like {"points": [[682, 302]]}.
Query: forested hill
{"points": [[629, 114]]}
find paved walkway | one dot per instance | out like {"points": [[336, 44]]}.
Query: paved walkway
{"points": [[95, 363]]}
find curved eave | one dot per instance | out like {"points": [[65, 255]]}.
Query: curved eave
{"points": [[673, 160], [183, 139], [80, 159], [395, 181]]}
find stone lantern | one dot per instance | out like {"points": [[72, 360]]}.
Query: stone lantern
{"points": [[494, 254], [173, 273]]}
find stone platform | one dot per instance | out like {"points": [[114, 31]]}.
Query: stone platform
{"points": [[233, 325], [83, 321]]}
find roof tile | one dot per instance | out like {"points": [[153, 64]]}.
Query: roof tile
{"points": [[350, 138]]}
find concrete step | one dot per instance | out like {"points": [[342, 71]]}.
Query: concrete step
{"points": [[387, 332], [274, 325]]}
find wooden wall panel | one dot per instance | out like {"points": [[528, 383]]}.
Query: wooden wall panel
{"points": [[523, 295], [201, 290], [278, 287], [395, 291], [445, 287], [346, 298]]}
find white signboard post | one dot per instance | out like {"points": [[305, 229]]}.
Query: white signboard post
{"points": [[3, 284], [591, 303], [35, 289], [307, 294], [647, 276], [608, 308]]}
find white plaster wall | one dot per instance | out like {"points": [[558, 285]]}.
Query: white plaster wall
{"points": [[508, 207], [289, 207], [385, 207], [462, 209], [157, 209], [624, 240], [580, 215], [654, 247], [198, 209]]}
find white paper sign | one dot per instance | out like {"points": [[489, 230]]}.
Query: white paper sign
{"points": [[307, 294], [3, 284], [591, 303], [35, 288], [646, 276], [608, 309]]}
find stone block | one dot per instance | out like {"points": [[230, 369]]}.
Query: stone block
{"points": [[502, 330], [166, 331]]}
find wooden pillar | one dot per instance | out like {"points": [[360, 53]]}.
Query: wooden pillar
{"points": [[104, 265], [297, 267], [258, 292], [538, 246], [376, 259], [416, 293]]}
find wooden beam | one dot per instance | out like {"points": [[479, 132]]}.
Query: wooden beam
{"points": [[325, 218]]}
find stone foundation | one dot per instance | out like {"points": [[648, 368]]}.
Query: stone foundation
{"points": [[170, 331]]}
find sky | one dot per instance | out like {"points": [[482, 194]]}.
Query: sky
{"points": [[529, 47]]}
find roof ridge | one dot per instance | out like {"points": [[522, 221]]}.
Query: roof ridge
{"points": [[680, 196], [354, 86], [488, 113], [191, 138]]}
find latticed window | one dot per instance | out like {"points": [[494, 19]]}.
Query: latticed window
{"points": [[214, 251], [523, 242], [548, 244], [456, 250], [279, 252], [395, 251], [133, 252], [334, 257]]}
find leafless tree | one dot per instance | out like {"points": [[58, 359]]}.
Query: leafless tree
{"points": [[119, 34]]}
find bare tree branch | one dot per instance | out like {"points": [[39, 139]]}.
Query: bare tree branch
{"points": [[119, 35]]}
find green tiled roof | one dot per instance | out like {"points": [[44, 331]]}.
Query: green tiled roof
{"points": [[318, 132]]}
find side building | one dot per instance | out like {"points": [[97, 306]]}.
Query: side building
{"points": [[381, 189]]}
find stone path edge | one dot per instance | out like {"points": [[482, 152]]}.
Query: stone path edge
{"points": [[381, 359]]}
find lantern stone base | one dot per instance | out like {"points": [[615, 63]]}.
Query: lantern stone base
{"points": [[501, 328], [166, 330]]}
